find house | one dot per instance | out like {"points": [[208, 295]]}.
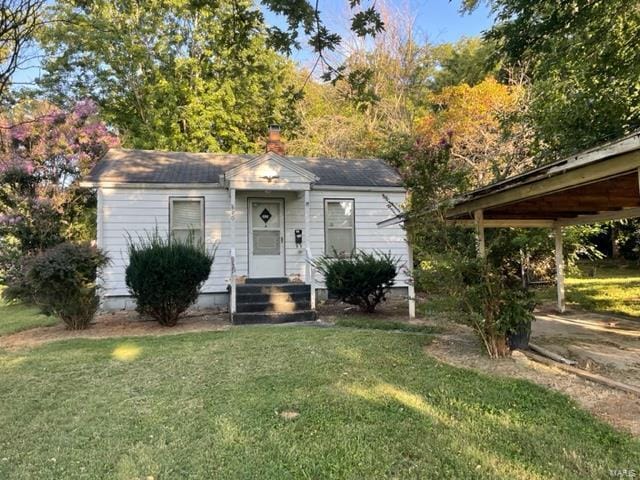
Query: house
{"points": [[268, 215]]}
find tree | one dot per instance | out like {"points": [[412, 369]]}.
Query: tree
{"points": [[583, 60], [43, 152], [19, 22], [486, 140], [469, 61], [177, 75], [372, 110]]}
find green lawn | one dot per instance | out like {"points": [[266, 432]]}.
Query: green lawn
{"points": [[17, 317], [375, 323], [602, 287], [370, 404]]}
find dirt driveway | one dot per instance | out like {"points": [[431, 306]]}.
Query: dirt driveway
{"points": [[606, 344]]}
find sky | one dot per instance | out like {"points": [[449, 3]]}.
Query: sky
{"points": [[437, 21]]}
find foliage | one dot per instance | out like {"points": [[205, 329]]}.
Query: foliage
{"points": [[467, 62], [373, 118], [583, 65], [19, 23], [62, 281], [43, 153], [165, 276], [485, 140], [208, 83], [493, 299], [362, 279]]}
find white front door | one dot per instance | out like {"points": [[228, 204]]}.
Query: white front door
{"points": [[266, 237]]}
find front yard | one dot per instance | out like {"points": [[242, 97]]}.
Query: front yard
{"points": [[285, 402], [17, 317]]}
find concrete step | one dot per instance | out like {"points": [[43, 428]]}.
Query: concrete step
{"points": [[273, 317], [274, 288], [266, 280], [276, 297], [282, 307]]}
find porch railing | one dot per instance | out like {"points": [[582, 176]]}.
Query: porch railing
{"points": [[232, 282], [310, 274]]}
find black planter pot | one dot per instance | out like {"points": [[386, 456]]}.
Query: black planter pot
{"points": [[519, 338]]}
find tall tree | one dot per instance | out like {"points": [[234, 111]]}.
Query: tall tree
{"points": [[373, 109], [44, 151], [170, 74], [469, 60], [19, 23], [488, 139], [584, 64]]}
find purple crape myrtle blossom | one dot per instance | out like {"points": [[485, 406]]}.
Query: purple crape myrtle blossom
{"points": [[44, 151]]}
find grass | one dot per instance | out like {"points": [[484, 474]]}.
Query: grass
{"points": [[369, 404], [363, 321], [15, 317], [606, 287]]}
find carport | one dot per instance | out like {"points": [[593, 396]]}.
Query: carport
{"points": [[596, 185]]}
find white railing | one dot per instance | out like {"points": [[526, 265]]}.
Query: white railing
{"points": [[310, 274], [232, 282]]}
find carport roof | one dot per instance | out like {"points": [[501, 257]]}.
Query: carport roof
{"points": [[595, 185]]}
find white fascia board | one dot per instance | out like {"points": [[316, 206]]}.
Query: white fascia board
{"points": [[347, 188]]}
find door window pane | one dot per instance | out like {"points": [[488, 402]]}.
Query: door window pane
{"points": [[266, 242], [265, 215]]}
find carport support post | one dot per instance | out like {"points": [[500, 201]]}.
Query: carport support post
{"points": [[479, 221], [559, 267]]}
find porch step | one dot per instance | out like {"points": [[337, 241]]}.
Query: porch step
{"points": [[272, 300], [273, 288], [266, 281], [274, 297], [285, 306], [273, 317]]}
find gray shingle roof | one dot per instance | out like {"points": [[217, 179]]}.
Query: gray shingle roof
{"points": [[122, 165]]}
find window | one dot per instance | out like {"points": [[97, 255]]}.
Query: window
{"points": [[186, 218], [339, 227]]}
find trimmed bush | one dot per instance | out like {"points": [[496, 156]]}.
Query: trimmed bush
{"points": [[165, 276], [62, 282], [362, 279]]}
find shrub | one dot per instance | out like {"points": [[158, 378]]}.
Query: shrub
{"points": [[362, 279], [62, 281], [165, 276], [498, 306]]}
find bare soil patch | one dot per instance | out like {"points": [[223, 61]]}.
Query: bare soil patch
{"points": [[460, 347], [117, 324], [604, 344], [395, 308]]}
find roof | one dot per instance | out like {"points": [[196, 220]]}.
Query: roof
{"points": [[628, 143], [121, 165], [598, 184]]}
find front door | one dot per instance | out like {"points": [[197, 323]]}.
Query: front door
{"points": [[266, 237]]}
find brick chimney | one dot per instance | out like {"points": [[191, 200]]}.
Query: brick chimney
{"points": [[274, 144]]}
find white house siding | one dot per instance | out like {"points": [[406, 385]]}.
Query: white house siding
{"points": [[131, 212], [135, 212], [370, 208]]}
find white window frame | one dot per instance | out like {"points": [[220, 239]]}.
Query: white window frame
{"points": [[186, 199], [327, 228]]}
